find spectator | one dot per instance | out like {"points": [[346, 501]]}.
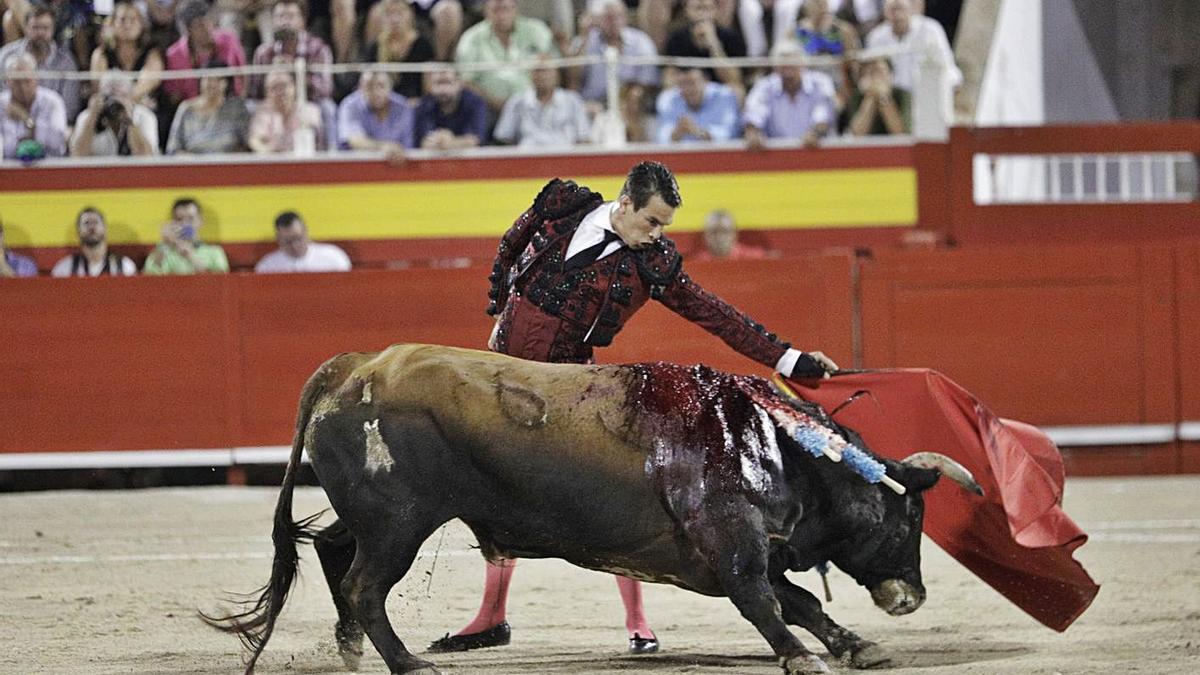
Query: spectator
{"points": [[544, 115], [180, 251], [608, 29], [113, 124], [399, 41], [48, 55], [278, 122], [93, 258], [446, 17], [450, 116], [34, 120], [721, 240], [697, 110], [877, 107], [922, 39], [703, 38], [128, 48], [201, 45], [297, 253], [215, 121], [792, 102], [292, 42], [250, 20], [13, 265], [820, 32], [502, 38], [376, 118]]}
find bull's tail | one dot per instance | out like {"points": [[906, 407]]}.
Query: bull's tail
{"points": [[254, 624]]}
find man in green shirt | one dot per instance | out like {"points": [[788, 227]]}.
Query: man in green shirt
{"points": [[180, 252], [502, 37]]}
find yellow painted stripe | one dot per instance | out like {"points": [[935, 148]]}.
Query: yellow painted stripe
{"points": [[468, 208]]}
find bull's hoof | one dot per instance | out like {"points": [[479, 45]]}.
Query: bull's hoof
{"points": [[349, 641], [496, 636], [870, 656], [803, 665]]}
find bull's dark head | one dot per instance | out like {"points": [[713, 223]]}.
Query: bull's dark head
{"points": [[883, 551]]}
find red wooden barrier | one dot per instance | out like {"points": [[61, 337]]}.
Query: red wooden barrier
{"points": [[218, 361]]}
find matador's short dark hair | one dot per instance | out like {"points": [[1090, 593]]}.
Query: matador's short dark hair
{"points": [[648, 179]]}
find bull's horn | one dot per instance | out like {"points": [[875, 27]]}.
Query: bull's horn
{"points": [[948, 467]]}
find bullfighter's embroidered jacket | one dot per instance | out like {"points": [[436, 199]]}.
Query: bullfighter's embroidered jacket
{"points": [[547, 313]]}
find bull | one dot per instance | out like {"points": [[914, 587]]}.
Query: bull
{"points": [[662, 473]]}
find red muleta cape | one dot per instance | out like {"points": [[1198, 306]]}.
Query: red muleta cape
{"points": [[1017, 537]]}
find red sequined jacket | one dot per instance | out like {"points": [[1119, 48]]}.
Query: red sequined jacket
{"points": [[552, 315]]}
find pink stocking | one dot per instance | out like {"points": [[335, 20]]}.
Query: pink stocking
{"points": [[495, 597], [635, 615]]}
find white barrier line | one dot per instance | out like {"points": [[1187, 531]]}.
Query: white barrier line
{"points": [[1147, 538], [1111, 434], [1175, 524], [178, 557]]}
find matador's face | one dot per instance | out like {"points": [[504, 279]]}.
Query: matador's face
{"points": [[641, 227]]}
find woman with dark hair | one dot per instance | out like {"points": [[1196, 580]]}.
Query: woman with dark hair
{"points": [[399, 42], [215, 121], [127, 47]]}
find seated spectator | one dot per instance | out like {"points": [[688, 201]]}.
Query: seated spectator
{"points": [[215, 121], [13, 265], [544, 115], [502, 37], [703, 38], [608, 29], [376, 118], [93, 258], [201, 45], [697, 110], [48, 55], [450, 116], [113, 124], [292, 41], [400, 42], [180, 251], [876, 106], [128, 48], [297, 253], [820, 32], [445, 16], [923, 39], [721, 240], [277, 120], [792, 102], [250, 20], [33, 119]]}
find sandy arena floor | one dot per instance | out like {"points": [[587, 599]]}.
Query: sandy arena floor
{"points": [[109, 582]]}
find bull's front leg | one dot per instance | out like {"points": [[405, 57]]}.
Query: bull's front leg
{"points": [[801, 608], [729, 533]]}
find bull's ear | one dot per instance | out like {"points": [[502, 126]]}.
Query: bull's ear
{"points": [[918, 479]]}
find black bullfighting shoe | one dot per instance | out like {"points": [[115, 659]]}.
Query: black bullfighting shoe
{"points": [[641, 645], [496, 636]]}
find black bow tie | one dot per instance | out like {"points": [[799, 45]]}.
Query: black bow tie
{"points": [[589, 255]]}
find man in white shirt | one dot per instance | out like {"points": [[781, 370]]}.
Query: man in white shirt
{"points": [[93, 258], [113, 124], [923, 38], [298, 253]]}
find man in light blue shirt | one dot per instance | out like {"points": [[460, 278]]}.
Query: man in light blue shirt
{"points": [[609, 29], [790, 103], [544, 115], [696, 110], [375, 118]]}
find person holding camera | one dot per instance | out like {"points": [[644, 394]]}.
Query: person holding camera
{"points": [[181, 251], [113, 124]]}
